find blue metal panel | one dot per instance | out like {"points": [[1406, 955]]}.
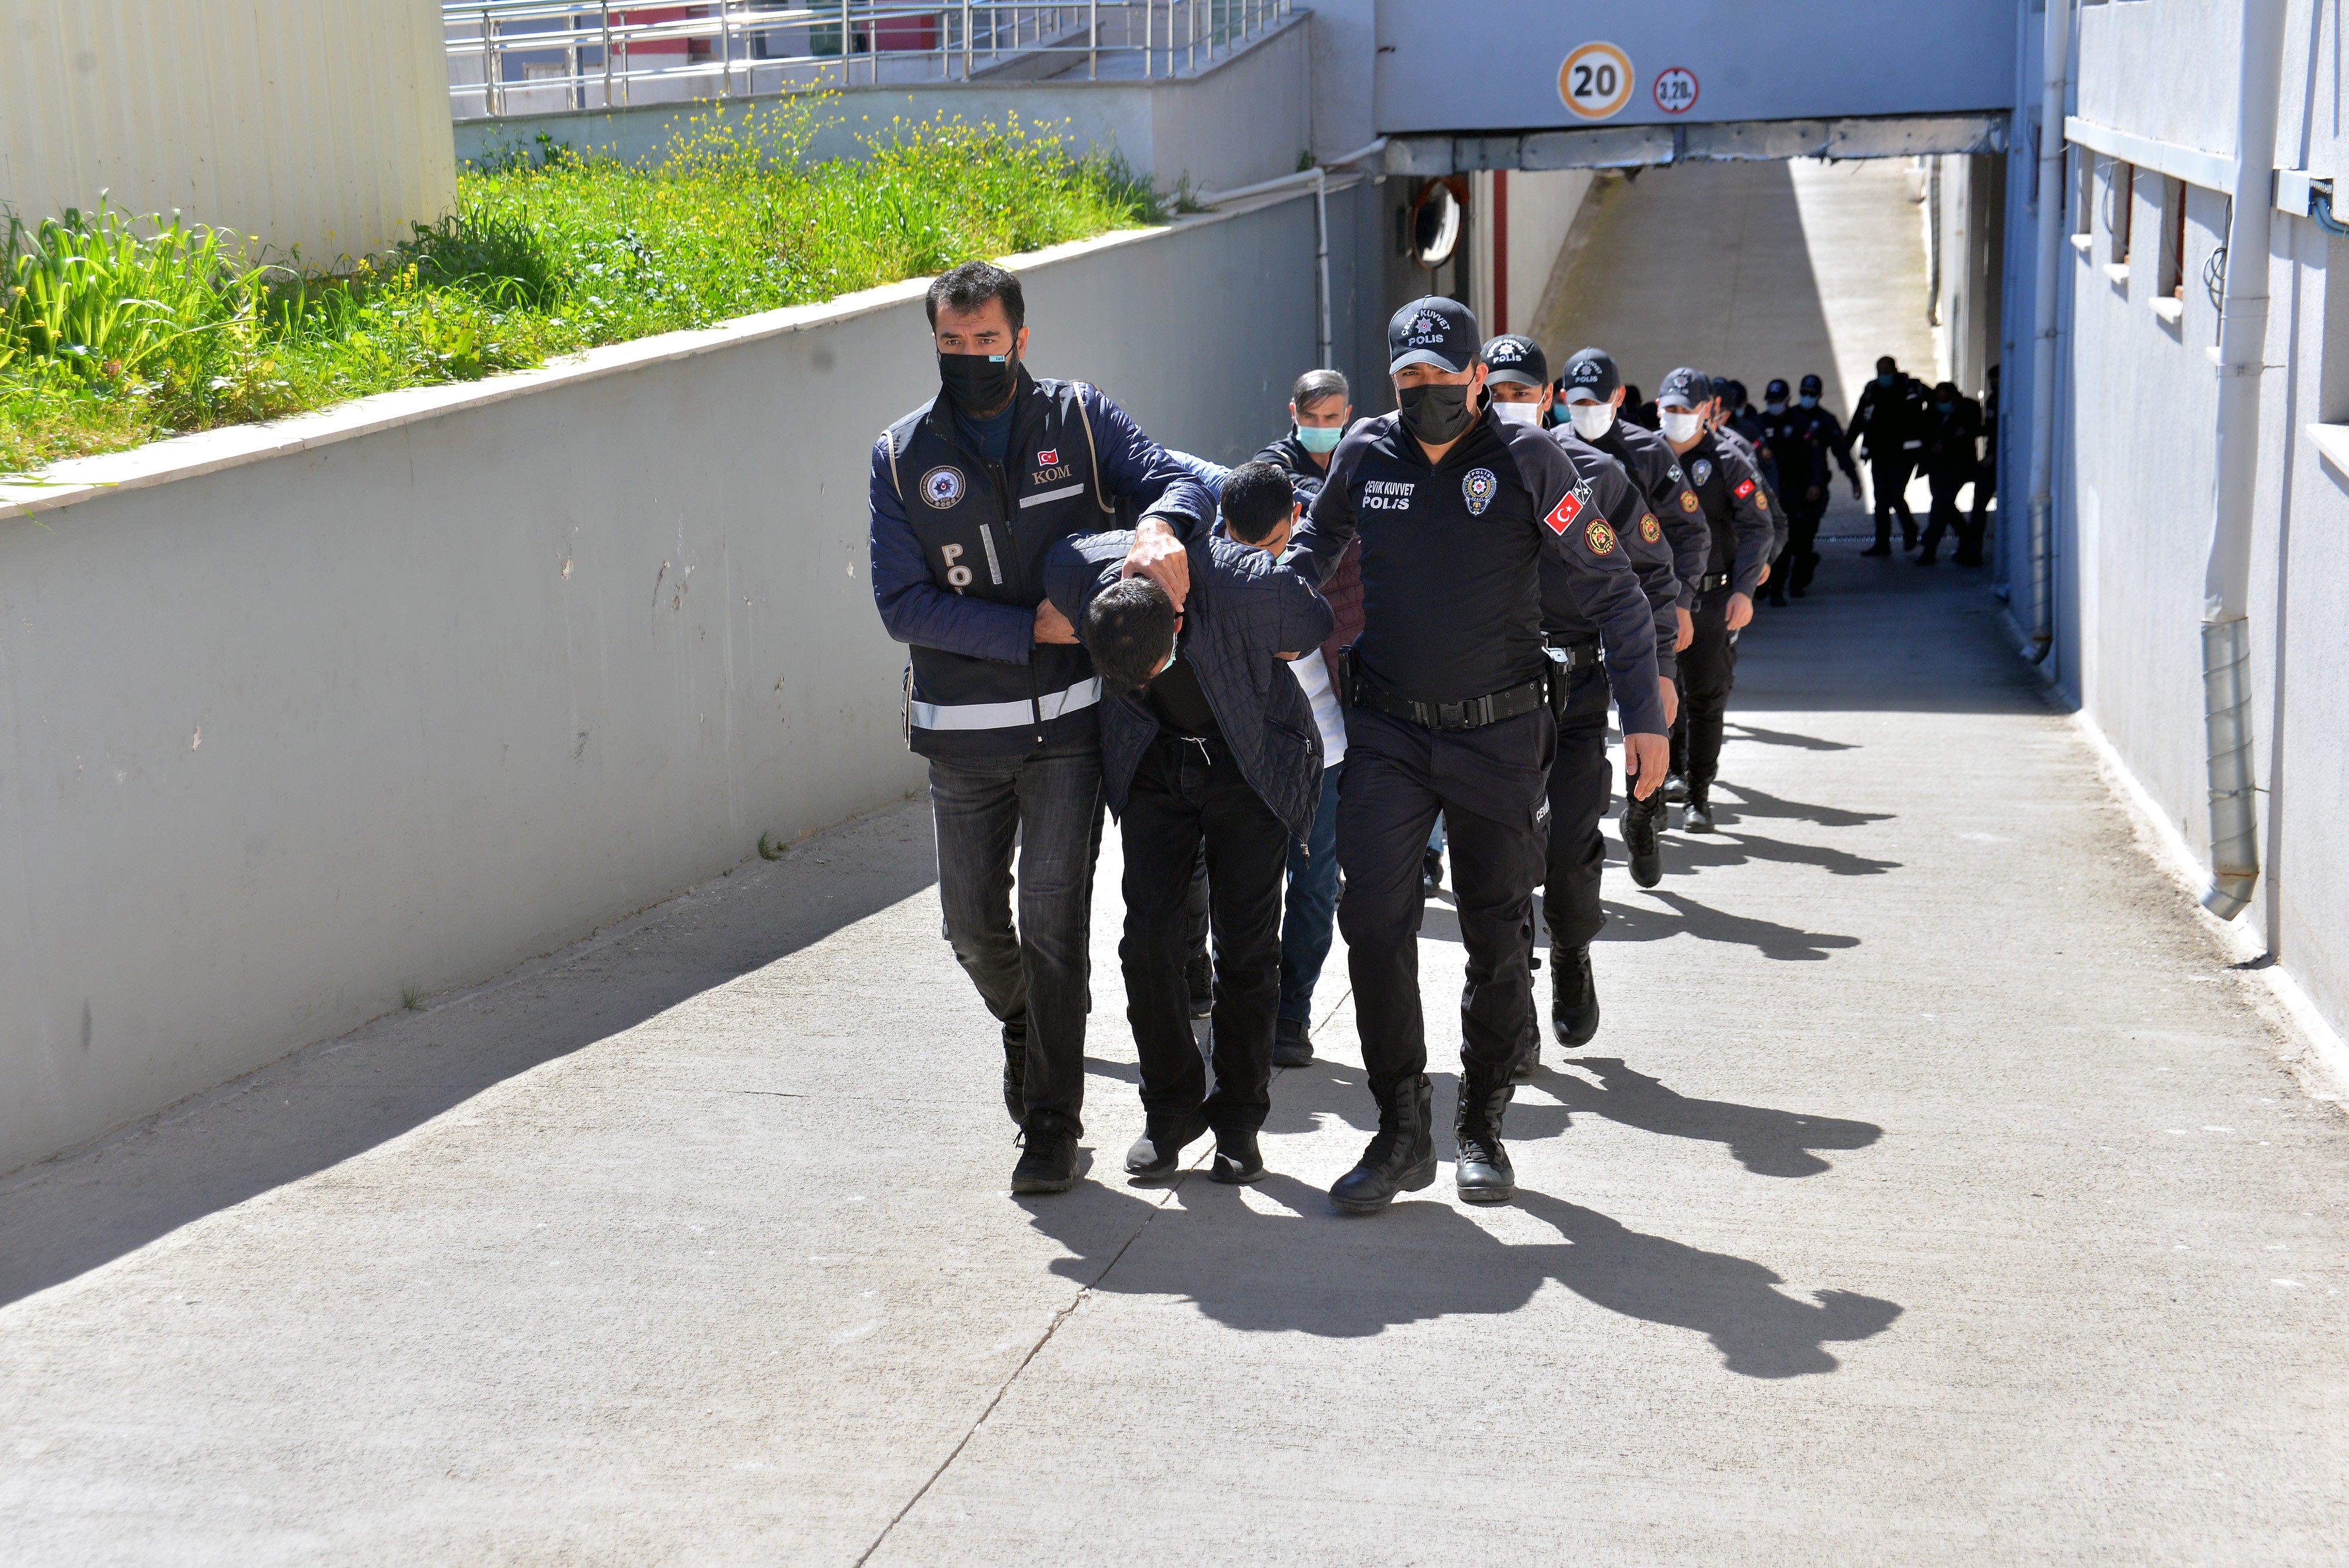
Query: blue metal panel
{"points": [[1496, 65]]}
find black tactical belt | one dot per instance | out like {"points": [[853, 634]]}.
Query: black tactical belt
{"points": [[1573, 656], [1711, 580], [1472, 714]]}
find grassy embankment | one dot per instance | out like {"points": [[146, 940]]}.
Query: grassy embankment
{"points": [[116, 331]]}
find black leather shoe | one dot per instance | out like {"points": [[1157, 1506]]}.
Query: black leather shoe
{"points": [[1573, 997], [1237, 1159], [1484, 1174], [1048, 1161], [1201, 980], [1431, 872], [1292, 1045], [1675, 787], [1698, 818], [1643, 821], [1015, 1076], [1158, 1152], [1401, 1158]]}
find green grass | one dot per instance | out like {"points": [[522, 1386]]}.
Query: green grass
{"points": [[116, 331]]}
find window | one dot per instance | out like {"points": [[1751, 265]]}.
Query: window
{"points": [[2120, 200], [2169, 275]]}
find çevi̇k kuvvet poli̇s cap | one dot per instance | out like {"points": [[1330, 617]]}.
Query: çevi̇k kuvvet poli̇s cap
{"points": [[1685, 388], [1432, 331], [1590, 377], [1515, 357]]}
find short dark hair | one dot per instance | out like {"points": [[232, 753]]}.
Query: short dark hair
{"points": [[1315, 385], [1257, 499], [972, 284], [1129, 629]]}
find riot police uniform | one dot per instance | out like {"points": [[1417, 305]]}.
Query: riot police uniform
{"points": [[1807, 440], [1887, 417], [1450, 710], [1729, 493]]}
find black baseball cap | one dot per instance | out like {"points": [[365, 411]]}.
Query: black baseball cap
{"points": [[1431, 330], [1722, 386], [1776, 389], [1686, 386], [1513, 357], [1811, 384], [1591, 373]]}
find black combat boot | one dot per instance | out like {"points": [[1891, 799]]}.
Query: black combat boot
{"points": [[1698, 817], [1401, 1158], [1529, 1051], [1573, 997], [1292, 1044], [1158, 1152], [1484, 1174], [1015, 1074], [1048, 1157], [1237, 1159], [1642, 820]]}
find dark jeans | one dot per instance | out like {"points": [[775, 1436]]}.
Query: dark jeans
{"points": [[1581, 783], [1708, 671], [1945, 518], [1035, 978], [1887, 476], [1185, 796], [1490, 785], [1308, 919]]}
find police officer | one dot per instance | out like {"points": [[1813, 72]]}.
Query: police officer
{"points": [[1595, 399], [1890, 411], [1970, 538], [1450, 710], [969, 494], [1581, 781], [1805, 440], [1730, 492], [1950, 427]]}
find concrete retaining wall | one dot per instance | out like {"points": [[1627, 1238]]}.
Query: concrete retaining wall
{"points": [[294, 719]]}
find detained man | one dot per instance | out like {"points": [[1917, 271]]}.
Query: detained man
{"points": [[969, 493], [1205, 744]]}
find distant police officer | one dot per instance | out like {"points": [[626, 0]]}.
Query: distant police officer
{"points": [[1594, 398], [1952, 426], [1970, 540], [1581, 781], [1730, 492], [1451, 711], [1890, 411], [969, 494], [1807, 440]]}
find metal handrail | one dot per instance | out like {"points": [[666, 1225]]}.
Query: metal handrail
{"points": [[600, 44]]}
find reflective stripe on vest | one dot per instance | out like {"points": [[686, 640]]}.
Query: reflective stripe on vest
{"points": [[1005, 715], [1062, 493]]}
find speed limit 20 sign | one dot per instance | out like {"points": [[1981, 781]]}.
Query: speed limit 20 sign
{"points": [[1596, 81]]}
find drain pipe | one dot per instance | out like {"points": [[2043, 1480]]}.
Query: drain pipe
{"points": [[2227, 579], [1326, 347], [2056, 52]]}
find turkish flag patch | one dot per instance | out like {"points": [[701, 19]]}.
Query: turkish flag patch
{"points": [[1051, 456], [1745, 489], [1569, 507]]}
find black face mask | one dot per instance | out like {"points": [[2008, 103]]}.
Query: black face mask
{"points": [[978, 384], [1435, 412]]}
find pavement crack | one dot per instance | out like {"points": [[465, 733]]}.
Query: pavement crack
{"points": [[1084, 1291]]}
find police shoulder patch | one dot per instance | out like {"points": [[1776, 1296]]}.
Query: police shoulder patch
{"points": [[1601, 537], [1675, 475], [1479, 489], [1689, 502], [1744, 488], [942, 487], [1649, 529], [1569, 507]]}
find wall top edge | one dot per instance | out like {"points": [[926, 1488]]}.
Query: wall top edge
{"points": [[76, 480]]}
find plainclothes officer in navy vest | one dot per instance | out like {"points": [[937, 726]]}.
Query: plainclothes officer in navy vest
{"points": [[1582, 780], [1807, 439], [971, 492], [1729, 493], [1594, 398], [1450, 710]]}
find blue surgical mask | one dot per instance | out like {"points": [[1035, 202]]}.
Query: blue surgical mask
{"points": [[1809, 401], [1885, 380], [1775, 406], [1320, 438], [1945, 407]]}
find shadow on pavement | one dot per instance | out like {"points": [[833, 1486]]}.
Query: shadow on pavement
{"points": [[1729, 847], [1309, 1269], [1765, 1141], [1752, 802], [1740, 730], [63, 1217], [1631, 923]]}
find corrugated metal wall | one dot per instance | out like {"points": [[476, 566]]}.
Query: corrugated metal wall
{"points": [[322, 124]]}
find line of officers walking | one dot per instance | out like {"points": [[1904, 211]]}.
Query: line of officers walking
{"points": [[1274, 674]]}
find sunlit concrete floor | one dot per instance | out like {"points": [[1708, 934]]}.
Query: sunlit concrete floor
{"points": [[1933, 1193]]}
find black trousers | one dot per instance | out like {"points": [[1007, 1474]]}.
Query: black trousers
{"points": [[1708, 670], [1581, 786], [1945, 518], [1887, 476], [1801, 556], [1491, 785], [1970, 537], [1185, 796]]}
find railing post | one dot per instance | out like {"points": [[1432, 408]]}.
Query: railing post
{"points": [[493, 101], [1190, 40], [1093, 40], [965, 40], [608, 55], [725, 52]]}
